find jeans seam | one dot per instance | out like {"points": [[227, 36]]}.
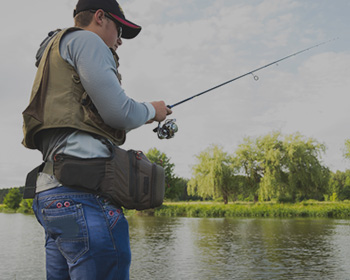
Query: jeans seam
{"points": [[116, 220], [107, 223]]}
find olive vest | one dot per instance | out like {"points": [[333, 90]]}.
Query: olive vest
{"points": [[58, 100]]}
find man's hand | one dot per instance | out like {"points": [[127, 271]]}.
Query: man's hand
{"points": [[161, 111]]}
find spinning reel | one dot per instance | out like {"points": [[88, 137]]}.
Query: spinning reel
{"points": [[167, 130]]}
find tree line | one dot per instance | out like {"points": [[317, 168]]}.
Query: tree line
{"points": [[272, 167], [269, 168]]}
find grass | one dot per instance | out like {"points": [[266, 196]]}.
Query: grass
{"points": [[261, 209], [4, 209], [23, 210], [313, 209]]}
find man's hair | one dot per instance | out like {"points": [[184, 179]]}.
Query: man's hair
{"points": [[83, 19]]}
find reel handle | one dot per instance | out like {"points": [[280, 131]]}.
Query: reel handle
{"points": [[156, 128]]}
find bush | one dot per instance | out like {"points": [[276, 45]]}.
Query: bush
{"points": [[13, 198], [26, 206]]}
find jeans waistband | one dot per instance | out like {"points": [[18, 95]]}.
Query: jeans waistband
{"points": [[63, 190]]}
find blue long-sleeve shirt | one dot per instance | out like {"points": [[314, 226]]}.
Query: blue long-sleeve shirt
{"points": [[95, 65]]}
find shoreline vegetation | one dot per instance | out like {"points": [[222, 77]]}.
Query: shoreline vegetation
{"points": [[304, 209], [307, 209], [270, 176]]}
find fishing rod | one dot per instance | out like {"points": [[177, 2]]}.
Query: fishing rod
{"points": [[169, 128]]}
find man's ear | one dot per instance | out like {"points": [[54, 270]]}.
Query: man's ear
{"points": [[98, 16]]}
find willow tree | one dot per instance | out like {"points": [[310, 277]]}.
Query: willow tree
{"points": [[307, 176], [247, 158], [347, 149], [271, 156], [213, 176], [283, 168]]}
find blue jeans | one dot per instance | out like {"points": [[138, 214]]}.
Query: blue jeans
{"points": [[86, 237]]}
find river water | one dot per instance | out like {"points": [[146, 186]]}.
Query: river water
{"points": [[201, 248]]}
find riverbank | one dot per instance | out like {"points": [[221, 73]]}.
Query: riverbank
{"points": [[313, 209], [23, 210]]}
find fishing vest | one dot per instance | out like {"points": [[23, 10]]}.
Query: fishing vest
{"points": [[58, 100]]}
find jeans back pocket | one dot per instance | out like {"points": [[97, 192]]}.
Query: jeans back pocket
{"points": [[67, 226]]}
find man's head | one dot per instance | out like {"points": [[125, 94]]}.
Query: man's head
{"points": [[112, 11]]}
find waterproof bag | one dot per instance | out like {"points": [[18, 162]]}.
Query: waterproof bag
{"points": [[127, 178]]}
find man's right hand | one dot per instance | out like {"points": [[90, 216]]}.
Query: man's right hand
{"points": [[161, 111]]}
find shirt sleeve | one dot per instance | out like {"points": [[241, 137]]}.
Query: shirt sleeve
{"points": [[94, 63]]}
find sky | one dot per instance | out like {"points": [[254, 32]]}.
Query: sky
{"points": [[186, 47]]}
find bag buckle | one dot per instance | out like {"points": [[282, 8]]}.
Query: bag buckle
{"points": [[138, 154]]}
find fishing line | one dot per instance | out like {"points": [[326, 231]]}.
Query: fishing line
{"points": [[256, 78], [168, 130]]}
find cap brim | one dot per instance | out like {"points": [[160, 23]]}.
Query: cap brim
{"points": [[130, 30]]}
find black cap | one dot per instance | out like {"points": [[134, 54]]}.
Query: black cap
{"points": [[130, 30]]}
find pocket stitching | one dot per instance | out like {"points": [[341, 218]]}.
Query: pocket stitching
{"points": [[78, 212]]}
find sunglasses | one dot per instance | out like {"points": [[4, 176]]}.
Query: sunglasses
{"points": [[119, 28]]}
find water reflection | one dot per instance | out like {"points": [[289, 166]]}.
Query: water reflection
{"points": [[191, 248], [21, 248], [196, 248]]}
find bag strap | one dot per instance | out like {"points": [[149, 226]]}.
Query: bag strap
{"points": [[105, 142], [30, 186]]}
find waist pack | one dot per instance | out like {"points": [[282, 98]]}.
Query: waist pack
{"points": [[127, 178]]}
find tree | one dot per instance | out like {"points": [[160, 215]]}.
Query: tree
{"points": [[339, 185], [179, 187], [213, 175], [286, 169], [13, 198], [26, 206], [246, 158], [307, 177], [173, 188], [4, 192], [347, 149]]}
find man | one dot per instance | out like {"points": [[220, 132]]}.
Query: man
{"points": [[77, 104]]}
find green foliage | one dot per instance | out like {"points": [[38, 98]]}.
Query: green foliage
{"points": [[248, 160], [26, 206], [13, 198], [175, 188], [313, 209], [156, 156], [339, 185], [213, 175], [272, 167], [345, 193], [270, 156], [347, 149], [4, 192], [307, 177], [280, 169]]}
